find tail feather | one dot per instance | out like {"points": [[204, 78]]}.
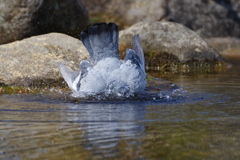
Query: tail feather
{"points": [[86, 42], [113, 28], [104, 34], [101, 41], [93, 36]]}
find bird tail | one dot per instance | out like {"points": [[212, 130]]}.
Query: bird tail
{"points": [[101, 41]]}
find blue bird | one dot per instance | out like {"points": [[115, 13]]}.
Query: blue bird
{"points": [[105, 72]]}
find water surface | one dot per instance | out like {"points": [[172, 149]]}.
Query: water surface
{"points": [[203, 124]]}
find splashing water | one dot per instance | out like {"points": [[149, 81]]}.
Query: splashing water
{"points": [[157, 90]]}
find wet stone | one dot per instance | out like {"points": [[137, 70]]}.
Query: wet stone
{"points": [[170, 44], [33, 61]]}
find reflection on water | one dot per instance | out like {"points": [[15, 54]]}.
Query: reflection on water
{"points": [[39, 130], [41, 127], [106, 124]]}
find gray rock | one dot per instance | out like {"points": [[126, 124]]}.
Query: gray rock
{"points": [[15, 19], [124, 12], [167, 43], [21, 19], [233, 5], [207, 17], [33, 61], [69, 17]]}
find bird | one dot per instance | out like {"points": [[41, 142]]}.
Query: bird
{"points": [[105, 73]]}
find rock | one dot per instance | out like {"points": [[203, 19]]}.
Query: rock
{"points": [[124, 12], [207, 17], [167, 43], [69, 17], [15, 19], [33, 61], [233, 5], [21, 19], [227, 46]]}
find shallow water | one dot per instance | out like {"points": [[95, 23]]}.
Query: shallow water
{"points": [[203, 124]]}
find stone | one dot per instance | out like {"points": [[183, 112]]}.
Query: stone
{"points": [[218, 18], [33, 61], [168, 43], [15, 19], [124, 12], [23, 18], [69, 17], [209, 18]]}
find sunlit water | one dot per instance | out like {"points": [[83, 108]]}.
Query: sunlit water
{"points": [[201, 123]]}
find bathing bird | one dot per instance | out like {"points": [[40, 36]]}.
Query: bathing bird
{"points": [[105, 73]]}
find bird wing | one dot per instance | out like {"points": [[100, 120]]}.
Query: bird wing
{"points": [[133, 57], [136, 55], [68, 75], [138, 50]]}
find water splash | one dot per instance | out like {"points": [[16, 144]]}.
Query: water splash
{"points": [[157, 90]]}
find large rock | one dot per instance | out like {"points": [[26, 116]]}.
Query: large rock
{"points": [[23, 18], [15, 19], [124, 12], [32, 60], [207, 17], [233, 5], [167, 43], [65, 16]]}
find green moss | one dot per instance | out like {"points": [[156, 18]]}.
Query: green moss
{"points": [[166, 62], [48, 83], [34, 86], [7, 89], [162, 60]]}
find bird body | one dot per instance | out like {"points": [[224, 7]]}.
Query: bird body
{"points": [[106, 73]]}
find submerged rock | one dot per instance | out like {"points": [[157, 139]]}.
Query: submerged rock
{"points": [[169, 44], [21, 19], [33, 61]]}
